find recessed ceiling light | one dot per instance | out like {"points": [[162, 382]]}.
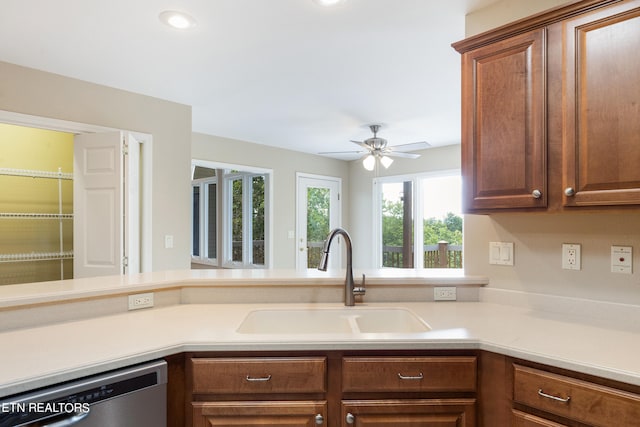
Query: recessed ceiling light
{"points": [[178, 20], [328, 2]]}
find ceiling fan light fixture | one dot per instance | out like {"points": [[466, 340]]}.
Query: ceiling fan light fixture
{"points": [[369, 162], [328, 3], [177, 20], [386, 161]]}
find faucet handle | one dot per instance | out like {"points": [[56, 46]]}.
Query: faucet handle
{"points": [[360, 290]]}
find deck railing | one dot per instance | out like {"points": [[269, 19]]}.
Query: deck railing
{"points": [[441, 255]]}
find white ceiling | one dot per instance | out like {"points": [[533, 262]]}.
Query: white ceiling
{"points": [[286, 73]]}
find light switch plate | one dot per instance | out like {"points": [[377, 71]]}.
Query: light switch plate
{"points": [[501, 253], [622, 259]]}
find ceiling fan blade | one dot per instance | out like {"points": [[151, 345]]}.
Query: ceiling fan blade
{"points": [[401, 154], [342, 152], [362, 144], [413, 146]]}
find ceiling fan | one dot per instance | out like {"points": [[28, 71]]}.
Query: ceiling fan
{"points": [[377, 149]]}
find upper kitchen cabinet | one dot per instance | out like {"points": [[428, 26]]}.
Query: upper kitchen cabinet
{"points": [[601, 144], [550, 108], [503, 151]]}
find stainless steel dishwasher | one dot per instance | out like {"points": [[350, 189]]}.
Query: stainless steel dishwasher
{"points": [[130, 397]]}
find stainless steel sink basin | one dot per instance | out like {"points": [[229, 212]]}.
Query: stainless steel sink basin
{"points": [[348, 320]]}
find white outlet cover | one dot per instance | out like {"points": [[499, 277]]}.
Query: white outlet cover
{"points": [[571, 256], [622, 259]]}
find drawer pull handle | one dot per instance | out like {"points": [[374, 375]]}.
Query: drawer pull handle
{"points": [[411, 377], [258, 379], [556, 398]]}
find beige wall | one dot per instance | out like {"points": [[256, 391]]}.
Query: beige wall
{"points": [[538, 238], [285, 164], [33, 92]]}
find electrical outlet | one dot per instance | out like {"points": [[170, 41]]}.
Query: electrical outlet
{"points": [[444, 293], [571, 256], [140, 301]]}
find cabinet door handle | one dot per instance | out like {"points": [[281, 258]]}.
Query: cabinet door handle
{"points": [[258, 379], [536, 194], [319, 419], [350, 418], [552, 397], [569, 192], [411, 377]]}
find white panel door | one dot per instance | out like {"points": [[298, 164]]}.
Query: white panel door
{"points": [[318, 212], [98, 204]]}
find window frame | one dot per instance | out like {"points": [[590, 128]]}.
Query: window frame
{"points": [[225, 174], [203, 216], [417, 213]]}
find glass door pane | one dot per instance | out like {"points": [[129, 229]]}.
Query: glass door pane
{"points": [[318, 208], [236, 220], [258, 219], [212, 222]]}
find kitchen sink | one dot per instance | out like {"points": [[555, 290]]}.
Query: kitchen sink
{"points": [[348, 320]]}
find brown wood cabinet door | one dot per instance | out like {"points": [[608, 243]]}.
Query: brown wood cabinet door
{"points": [[601, 142], [409, 413], [234, 414], [521, 419], [503, 124]]}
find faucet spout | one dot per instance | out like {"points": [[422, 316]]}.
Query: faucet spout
{"points": [[350, 291]]}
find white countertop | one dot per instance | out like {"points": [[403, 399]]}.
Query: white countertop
{"points": [[44, 355], [66, 290]]}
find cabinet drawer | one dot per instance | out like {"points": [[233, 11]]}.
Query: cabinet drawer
{"points": [[259, 375], [520, 419], [575, 399], [410, 374]]}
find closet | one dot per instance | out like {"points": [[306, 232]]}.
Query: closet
{"points": [[36, 205]]}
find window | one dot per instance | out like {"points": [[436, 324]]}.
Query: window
{"points": [[204, 225], [419, 211], [234, 201]]}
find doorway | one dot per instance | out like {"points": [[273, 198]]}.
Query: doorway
{"points": [[318, 211], [137, 227]]}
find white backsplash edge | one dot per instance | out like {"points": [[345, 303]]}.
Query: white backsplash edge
{"points": [[571, 306]]}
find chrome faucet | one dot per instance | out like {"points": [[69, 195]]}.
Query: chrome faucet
{"points": [[350, 290]]}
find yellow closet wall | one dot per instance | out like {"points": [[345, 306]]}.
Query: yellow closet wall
{"points": [[42, 150]]}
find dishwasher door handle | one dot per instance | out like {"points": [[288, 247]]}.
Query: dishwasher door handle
{"points": [[68, 421]]}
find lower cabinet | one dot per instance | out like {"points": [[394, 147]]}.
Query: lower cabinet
{"points": [[390, 388], [267, 413], [571, 399], [409, 412], [521, 419], [393, 379], [330, 389]]}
